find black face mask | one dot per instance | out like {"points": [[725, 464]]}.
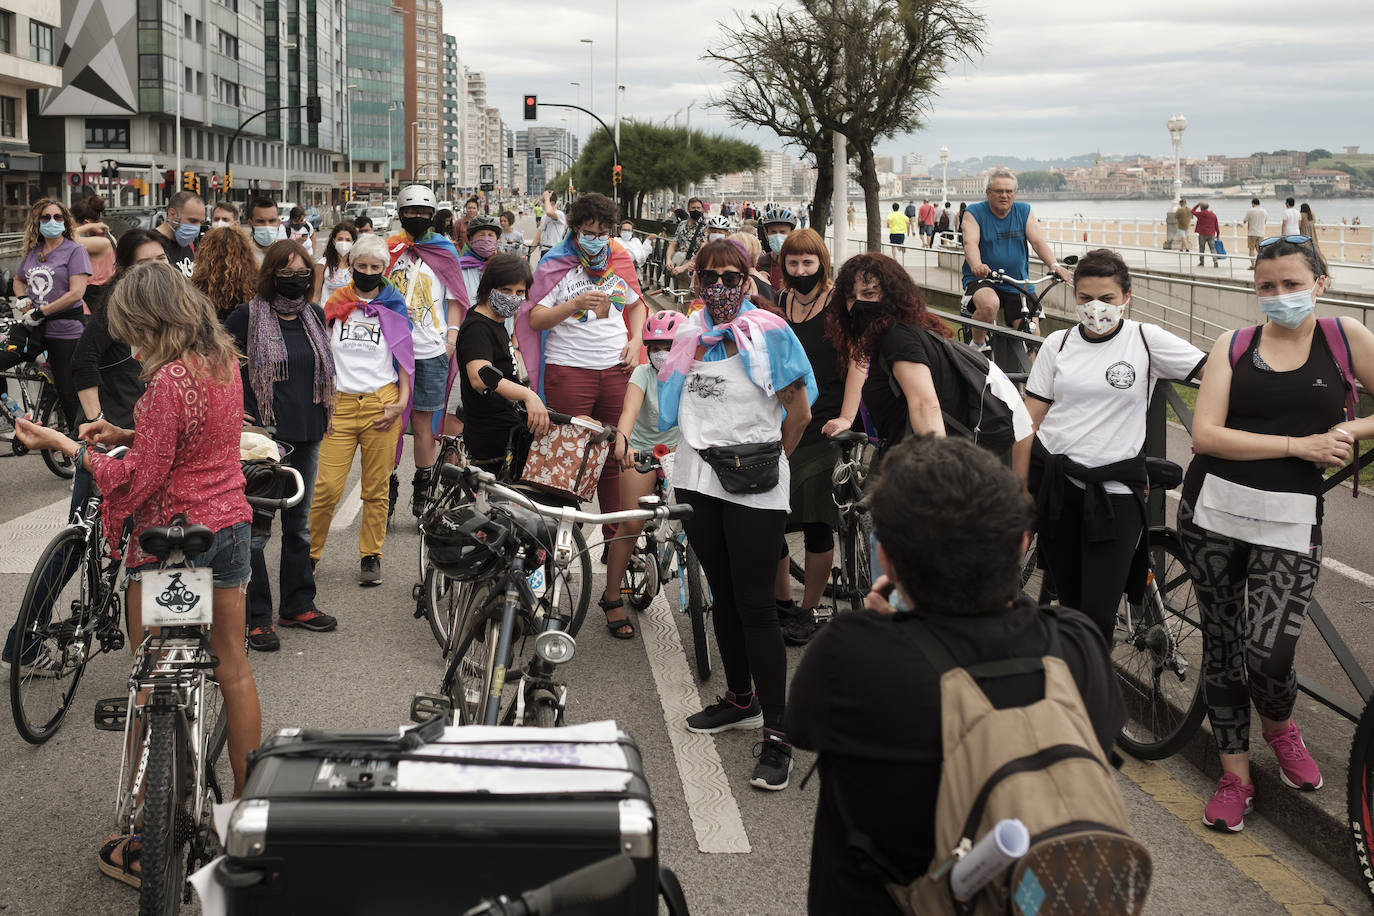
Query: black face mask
{"points": [[293, 287], [366, 283], [863, 312], [805, 283], [695, 214], [417, 227]]}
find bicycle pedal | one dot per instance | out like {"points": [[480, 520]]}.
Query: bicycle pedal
{"points": [[111, 714], [427, 706], [821, 614]]}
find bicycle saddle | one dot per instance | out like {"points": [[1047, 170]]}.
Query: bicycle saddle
{"points": [[191, 540], [849, 435], [1163, 473]]}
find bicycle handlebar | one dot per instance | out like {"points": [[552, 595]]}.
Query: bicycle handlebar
{"points": [[475, 479], [596, 883], [264, 502]]}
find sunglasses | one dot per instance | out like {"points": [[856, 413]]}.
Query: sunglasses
{"points": [[288, 274], [52, 218], [1294, 239], [728, 278]]}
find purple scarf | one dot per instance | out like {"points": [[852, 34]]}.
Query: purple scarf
{"points": [[267, 353]]}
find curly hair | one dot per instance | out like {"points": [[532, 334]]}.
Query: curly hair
{"points": [[32, 237], [902, 302], [592, 208], [225, 269]]}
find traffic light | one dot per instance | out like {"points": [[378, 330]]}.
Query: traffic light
{"points": [[537, 157], [196, 179], [510, 152], [313, 110], [532, 108], [228, 180], [188, 181], [615, 174]]}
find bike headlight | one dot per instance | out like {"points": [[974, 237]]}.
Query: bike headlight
{"points": [[555, 646]]}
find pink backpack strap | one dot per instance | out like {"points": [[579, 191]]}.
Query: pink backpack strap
{"points": [[1240, 342]]}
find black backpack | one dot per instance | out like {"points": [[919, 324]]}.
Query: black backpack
{"points": [[973, 411]]}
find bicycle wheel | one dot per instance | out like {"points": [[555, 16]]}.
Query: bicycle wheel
{"points": [[443, 604], [1359, 793], [858, 566], [215, 729], [541, 710], [699, 609], [51, 415], [577, 584], [1158, 655], [465, 682], [51, 649], [452, 452], [640, 582], [166, 815]]}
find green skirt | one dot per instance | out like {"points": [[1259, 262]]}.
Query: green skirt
{"points": [[812, 494]]}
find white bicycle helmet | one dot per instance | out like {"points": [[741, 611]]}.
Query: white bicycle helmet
{"points": [[416, 195], [718, 222]]}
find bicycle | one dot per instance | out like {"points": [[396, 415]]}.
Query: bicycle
{"points": [[667, 555], [506, 533], [1008, 351], [38, 400], [452, 450], [173, 718], [852, 577], [77, 577]]}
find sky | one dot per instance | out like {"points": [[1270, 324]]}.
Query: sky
{"points": [[1058, 77]]}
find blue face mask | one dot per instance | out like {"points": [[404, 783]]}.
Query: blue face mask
{"points": [[51, 229], [775, 241], [591, 244], [1289, 309], [264, 235], [186, 234]]}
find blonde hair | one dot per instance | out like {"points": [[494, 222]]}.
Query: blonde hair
{"points": [[32, 237], [225, 269], [156, 310], [750, 241]]}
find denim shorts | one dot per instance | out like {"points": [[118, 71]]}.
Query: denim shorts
{"points": [[227, 557], [430, 387]]}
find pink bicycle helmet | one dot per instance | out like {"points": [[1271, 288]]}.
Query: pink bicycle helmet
{"points": [[663, 326]]}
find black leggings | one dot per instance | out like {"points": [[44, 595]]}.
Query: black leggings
{"points": [[1091, 575], [737, 547], [28, 346], [817, 537]]}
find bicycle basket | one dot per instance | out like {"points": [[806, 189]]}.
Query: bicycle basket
{"points": [[567, 460]]}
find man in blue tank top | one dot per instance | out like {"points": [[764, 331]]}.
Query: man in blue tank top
{"points": [[996, 233]]}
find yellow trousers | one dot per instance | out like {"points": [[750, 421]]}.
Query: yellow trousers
{"points": [[353, 430]]}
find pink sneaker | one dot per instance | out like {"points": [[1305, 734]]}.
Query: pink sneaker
{"points": [[1229, 805], [1296, 766]]}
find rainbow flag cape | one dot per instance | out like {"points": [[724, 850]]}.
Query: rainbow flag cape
{"points": [[389, 308]]}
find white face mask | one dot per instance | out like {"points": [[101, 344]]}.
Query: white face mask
{"points": [[343, 247], [627, 235], [657, 358], [715, 236], [221, 224], [1101, 317]]}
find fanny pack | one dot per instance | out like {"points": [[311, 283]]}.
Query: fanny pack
{"points": [[745, 468]]}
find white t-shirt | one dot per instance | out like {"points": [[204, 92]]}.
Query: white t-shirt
{"points": [[585, 341], [1291, 219], [1098, 390], [334, 279], [721, 405], [472, 276], [551, 231], [362, 360], [1256, 222], [513, 241], [427, 302]]}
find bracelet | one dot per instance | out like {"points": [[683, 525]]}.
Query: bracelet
{"points": [[99, 416], [81, 455]]}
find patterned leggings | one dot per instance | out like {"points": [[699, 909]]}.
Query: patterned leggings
{"points": [[1253, 601]]}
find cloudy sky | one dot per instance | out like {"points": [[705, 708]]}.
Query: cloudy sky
{"points": [[1059, 78]]}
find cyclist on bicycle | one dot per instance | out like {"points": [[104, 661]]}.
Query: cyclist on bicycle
{"points": [[183, 458], [996, 233]]}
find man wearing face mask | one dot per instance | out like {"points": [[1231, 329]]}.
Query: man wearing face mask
{"points": [[181, 229], [777, 225], [1087, 396], [639, 250], [225, 215], [266, 223], [690, 236]]}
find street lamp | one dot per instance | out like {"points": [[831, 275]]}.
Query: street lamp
{"points": [[591, 72], [288, 46], [391, 149], [348, 91], [581, 118], [1177, 125], [944, 174]]}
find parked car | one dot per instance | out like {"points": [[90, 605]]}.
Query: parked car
{"points": [[444, 205], [122, 219], [381, 219]]}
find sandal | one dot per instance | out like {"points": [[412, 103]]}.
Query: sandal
{"points": [[622, 628], [122, 871]]}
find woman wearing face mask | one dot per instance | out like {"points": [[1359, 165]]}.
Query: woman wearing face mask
{"points": [[1270, 417], [759, 284], [740, 387], [484, 341], [512, 239], [288, 384], [484, 237], [331, 268], [226, 270], [773, 231], [803, 302], [1087, 395]]}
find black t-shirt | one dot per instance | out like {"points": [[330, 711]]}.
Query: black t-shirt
{"points": [[102, 362], [298, 417], [825, 365], [489, 417], [885, 756], [906, 343], [182, 257]]}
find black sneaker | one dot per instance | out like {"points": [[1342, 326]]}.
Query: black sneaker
{"points": [[419, 497], [775, 762], [725, 714], [371, 571], [799, 632], [791, 612], [264, 639]]}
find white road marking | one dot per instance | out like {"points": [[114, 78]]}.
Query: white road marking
{"points": [[715, 814], [22, 539], [348, 508]]}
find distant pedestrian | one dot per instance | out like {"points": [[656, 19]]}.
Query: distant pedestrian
{"points": [[554, 224], [1292, 218], [1256, 228], [1183, 219], [897, 225], [849, 212], [959, 223], [459, 233], [926, 219], [1307, 222], [512, 239], [225, 270], [181, 230], [298, 229], [331, 268], [943, 222], [910, 210], [1207, 231]]}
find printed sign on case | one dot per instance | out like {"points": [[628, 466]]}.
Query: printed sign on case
{"points": [[178, 597]]}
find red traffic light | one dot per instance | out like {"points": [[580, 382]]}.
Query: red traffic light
{"points": [[531, 108]]}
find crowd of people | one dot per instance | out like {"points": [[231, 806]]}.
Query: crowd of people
{"points": [[171, 340]]}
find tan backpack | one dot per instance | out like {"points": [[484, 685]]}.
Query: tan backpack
{"points": [[1038, 763]]}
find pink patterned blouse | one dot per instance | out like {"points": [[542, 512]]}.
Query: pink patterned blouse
{"points": [[184, 459]]}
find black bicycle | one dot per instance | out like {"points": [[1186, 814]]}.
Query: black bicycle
{"points": [[852, 577], [38, 401], [1013, 353]]}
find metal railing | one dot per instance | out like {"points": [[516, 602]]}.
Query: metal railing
{"points": [[1350, 245]]}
